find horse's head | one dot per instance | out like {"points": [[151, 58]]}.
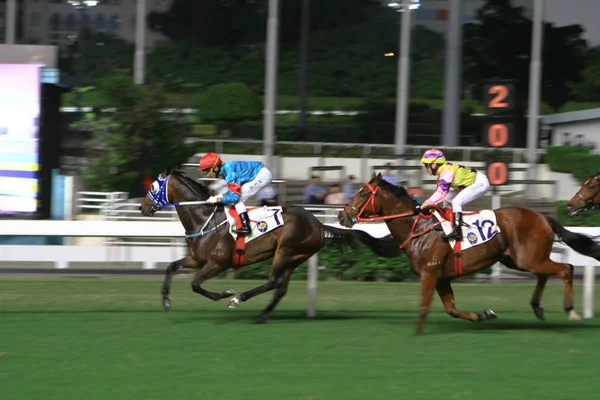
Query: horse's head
{"points": [[587, 197], [377, 197], [171, 187], [158, 195]]}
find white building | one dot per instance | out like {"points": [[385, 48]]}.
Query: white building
{"points": [[433, 14], [55, 22], [577, 128]]}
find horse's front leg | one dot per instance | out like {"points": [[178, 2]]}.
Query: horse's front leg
{"points": [[444, 290], [428, 284], [209, 270], [185, 262]]}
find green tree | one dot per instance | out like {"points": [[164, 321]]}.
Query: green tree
{"points": [[589, 87], [230, 102], [134, 140], [212, 22], [102, 55], [499, 46]]}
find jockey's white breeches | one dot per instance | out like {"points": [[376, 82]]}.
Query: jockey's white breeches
{"points": [[458, 199], [249, 189]]}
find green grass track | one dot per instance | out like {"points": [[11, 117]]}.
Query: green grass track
{"points": [[85, 338]]}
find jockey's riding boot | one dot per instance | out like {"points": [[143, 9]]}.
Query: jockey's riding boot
{"points": [[456, 234], [245, 228]]}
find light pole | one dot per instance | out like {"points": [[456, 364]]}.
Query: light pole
{"points": [[81, 6], [271, 82], [11, 21], [403, 81], [535, 79], [140, 43]]}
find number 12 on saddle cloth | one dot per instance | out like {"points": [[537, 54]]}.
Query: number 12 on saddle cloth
{"points": [[478, 227]]}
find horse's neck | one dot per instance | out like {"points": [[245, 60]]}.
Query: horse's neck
{"points": [[401, 227], [195, 217]]}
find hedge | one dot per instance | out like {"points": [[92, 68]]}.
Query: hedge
{"points": [[343, 264], [573, 160]]}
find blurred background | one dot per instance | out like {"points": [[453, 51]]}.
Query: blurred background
{"points": [[323, 92], [99, 97]]}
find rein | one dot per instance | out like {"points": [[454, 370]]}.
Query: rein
{"points": [[412, 230], [371, 201], [160, 199], [588, 204]]}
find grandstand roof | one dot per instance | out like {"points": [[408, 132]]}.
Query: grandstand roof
{"points": [[573, 116]]}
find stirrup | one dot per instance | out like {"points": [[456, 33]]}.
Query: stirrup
{"points": [[455, 235], [242, 231]]}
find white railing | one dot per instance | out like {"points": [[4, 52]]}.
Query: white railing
{"points": [[85, 201], [519, 155], [149, 255]]}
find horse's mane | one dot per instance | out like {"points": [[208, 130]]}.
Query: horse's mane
{"points": [[398, 191], [199, 189]]}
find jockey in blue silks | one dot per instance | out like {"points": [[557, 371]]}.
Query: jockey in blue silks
{"points": [[244, 179]]}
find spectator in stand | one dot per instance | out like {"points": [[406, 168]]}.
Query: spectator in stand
{"points": [[335, 195], [389, 176], [267, 196], [350, 187], [417, 194], [314, 193]]}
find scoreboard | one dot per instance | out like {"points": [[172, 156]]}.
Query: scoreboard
{"points": [[498, 127]]}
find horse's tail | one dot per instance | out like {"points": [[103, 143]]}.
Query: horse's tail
{"points": [[579, 242], [384, 247]]}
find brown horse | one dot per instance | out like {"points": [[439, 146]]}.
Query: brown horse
{"points": [[212, 248], [524, 243], [587, 197]]}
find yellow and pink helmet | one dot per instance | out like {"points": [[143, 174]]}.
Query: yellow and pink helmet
{"points": [[433, 156]]}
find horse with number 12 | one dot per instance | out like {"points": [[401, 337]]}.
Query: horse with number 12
{"points": [[289, 235], [518, 238]]}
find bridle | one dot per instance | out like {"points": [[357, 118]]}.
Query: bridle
{"points": [[588, 203], [160, 199], [371, 200]]}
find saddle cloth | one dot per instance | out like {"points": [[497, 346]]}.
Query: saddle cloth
{"points": [[262, 220], [480, 226]]}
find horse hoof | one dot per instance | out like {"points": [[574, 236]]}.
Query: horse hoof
{"points": [[233, 303], [574, 316], [260, 321], [167, 304], [228, 293], [486, 315], [539, 313]]}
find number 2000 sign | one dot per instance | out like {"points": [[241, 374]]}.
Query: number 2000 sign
{"points": [[501, 94], [498, 135]]}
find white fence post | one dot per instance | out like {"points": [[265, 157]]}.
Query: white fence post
{"points": [[589, 283], [313, 275]]}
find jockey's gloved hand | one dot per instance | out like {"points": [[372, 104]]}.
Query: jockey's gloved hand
{"points": [[425, 210], [212, 199], [417, 209]]}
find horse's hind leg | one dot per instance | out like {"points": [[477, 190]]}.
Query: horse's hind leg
{"points": [[209, 270], [281, 262], [185, 262], [444, 290], [277, 296], [509, 262], [565, 273]]}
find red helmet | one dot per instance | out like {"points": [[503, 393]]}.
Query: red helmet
{"points": [[210, 161]]}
